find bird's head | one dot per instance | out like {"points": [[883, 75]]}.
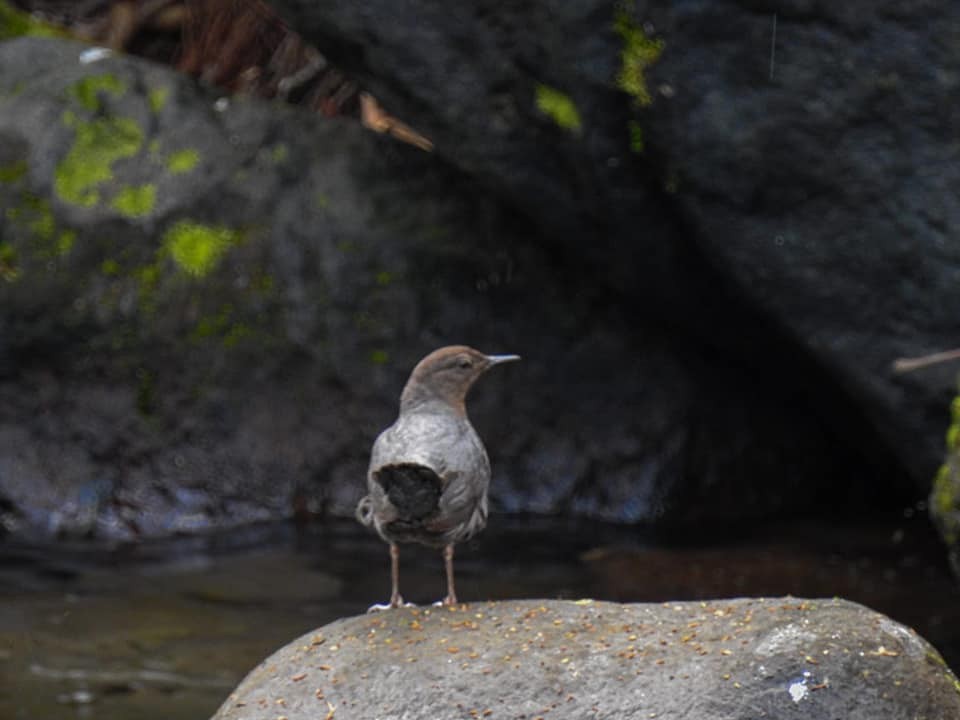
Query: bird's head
{"points": [[447, 375]]}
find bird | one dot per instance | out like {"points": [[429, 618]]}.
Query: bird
{"points": [[429, 472]]}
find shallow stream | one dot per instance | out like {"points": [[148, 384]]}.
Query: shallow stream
{"points": [[166, 630]]}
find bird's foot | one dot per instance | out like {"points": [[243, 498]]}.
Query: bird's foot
{"points": [[448, 601], [396, 602]]}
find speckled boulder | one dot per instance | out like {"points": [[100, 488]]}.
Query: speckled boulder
{"points": [[747, 658]]}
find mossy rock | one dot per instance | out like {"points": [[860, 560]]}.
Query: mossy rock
{"points": [[945, 495]]}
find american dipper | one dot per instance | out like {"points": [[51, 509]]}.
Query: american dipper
{"points": [[429, 472]]}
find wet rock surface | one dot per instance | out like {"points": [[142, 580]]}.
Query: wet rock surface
{"points": [[209, 307], [780, 657]]}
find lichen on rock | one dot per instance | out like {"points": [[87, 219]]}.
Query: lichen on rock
{"points": [[136, 200], [197, 248], [559, 107], [98, 144], [945, 493], [638, 52]]}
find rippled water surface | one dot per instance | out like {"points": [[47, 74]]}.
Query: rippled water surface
{"points": [[166, 630]]}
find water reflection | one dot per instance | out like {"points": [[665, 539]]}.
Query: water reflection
{"points": [[166, 630]]}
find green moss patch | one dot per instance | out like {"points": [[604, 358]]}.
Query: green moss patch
{"points": [[559, 107], [49, 240], [13, 172], [15, 23], [110, 267], [222, 325], [183, 161], [637, 54], [87, 91], [636, 136], [945, 493], [9, 271], [157, 97], [197, 249], [89, 163], [136, 201]]}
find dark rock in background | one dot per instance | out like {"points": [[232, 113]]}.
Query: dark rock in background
{"points": [[708, 260], [209, 308], [798, 211]]}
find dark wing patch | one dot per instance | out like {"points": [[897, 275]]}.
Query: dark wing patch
{"points": [[414, 490]]}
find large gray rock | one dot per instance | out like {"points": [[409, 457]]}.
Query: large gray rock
{"points": [[720, 660], [795, 197], [208, 309]]}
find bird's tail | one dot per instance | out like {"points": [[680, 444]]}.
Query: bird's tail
{"points": [[364, 511], [413, 490]]}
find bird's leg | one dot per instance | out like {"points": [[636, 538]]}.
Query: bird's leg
{"points": [[395, 599], [451, 598]]}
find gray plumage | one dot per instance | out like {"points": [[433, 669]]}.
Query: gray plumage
{"points": [[429, 472], [428, 479]]}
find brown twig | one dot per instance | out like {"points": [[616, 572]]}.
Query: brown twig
{"points": [[903, 365]]}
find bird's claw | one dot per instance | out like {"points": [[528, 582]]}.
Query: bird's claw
{"points": [[446, 602], [378, 607]]}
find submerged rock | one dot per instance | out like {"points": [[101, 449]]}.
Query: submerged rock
{"points": [[779, 658]]}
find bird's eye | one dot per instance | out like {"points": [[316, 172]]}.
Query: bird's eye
{"points": [[464, 363]]}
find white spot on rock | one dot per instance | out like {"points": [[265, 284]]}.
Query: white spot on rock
{"points": [[94, 54], [798, 690]]}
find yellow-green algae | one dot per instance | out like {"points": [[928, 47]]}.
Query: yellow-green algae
{"points": [[559, 107], [15, 23], [157, 98], [13, 172], [183, 161], [35, 214], [637, 53], [379, 357], [636, 136], [8, 262], [945, 493], [87, 90], [222, 325], [89, 163], [136, 200], [110, 267], [197, 248], [944, 497]]}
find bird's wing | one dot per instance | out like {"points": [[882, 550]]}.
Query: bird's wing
{"points": [[422, 447], [413, 440]]}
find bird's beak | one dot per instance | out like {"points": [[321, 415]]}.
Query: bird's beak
{"points": [[497, 359]]}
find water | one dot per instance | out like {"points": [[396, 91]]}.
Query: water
{"points": [[166, 630]]}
